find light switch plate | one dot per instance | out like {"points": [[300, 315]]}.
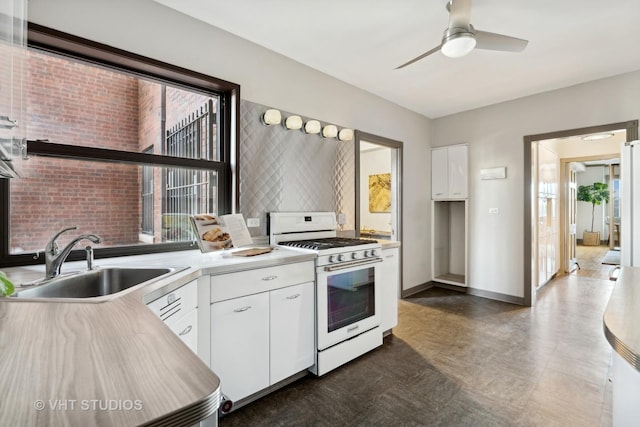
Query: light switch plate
{"points": [[253, 222]]}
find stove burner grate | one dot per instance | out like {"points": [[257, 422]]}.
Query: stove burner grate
{"points": [[327, 243]]}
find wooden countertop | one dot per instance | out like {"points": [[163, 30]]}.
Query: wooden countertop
{"points": [[622, 316], [109, 360]]}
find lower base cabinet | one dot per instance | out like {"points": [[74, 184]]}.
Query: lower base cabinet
{"points": [[292, 338], [390, 279], [261, 339], [240, 344]]}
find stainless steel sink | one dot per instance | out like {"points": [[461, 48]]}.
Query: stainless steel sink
{"points": [[95, 283]]}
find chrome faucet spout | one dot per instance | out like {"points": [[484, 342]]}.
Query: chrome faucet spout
{"points": [[54, 258]]}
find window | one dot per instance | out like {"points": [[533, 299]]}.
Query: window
{"points": [[122, 146]]}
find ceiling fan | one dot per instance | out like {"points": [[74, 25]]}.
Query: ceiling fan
{"points": [[460, 37]]}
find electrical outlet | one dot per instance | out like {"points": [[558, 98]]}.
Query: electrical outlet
{"points": [[494, 210], [342, 218], [253, 222]]}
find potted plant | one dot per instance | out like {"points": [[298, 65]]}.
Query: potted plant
{"points": [[596, 194], [6, 287]]}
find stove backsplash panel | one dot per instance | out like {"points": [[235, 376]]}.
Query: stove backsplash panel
{"points": [[288, 170]]}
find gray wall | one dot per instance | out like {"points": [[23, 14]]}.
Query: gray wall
{"points": [[495, 136], [149, 29]]}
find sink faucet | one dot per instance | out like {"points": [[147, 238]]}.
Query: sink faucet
{"points": [[54, 257]]}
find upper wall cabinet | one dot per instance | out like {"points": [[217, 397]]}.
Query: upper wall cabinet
{"points": [[449, 172], [12, 108]]}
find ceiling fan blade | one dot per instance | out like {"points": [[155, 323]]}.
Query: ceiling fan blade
{"points": [[493, 41], [459, 13], [418, 58]]}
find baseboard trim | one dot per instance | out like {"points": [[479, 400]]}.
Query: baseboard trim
{"points": [[412, 291], [471, 291], [496, 296], [450, 287]]}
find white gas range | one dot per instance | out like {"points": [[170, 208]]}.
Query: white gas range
{"points": [[347, 285]]}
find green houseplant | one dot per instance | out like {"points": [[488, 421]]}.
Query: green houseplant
{"points": [[596, 194], [6, 287]]}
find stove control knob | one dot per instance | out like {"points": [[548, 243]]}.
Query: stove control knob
{"points": [[340, 257], [366, 254], [332, 258], [375, 252], [354, 255]]}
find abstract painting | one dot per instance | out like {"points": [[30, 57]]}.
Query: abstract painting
{"points": [[380, 192]]}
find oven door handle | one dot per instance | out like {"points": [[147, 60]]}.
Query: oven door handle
{"points": [[350, 264]]}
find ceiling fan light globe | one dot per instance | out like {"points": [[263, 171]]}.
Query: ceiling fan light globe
{"points": [[458, 45]]}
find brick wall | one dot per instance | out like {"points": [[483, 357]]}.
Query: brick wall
{"points": [[94, 108], [71, 103]]}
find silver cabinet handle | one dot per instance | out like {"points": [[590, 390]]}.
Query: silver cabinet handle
{"points": [[240, 310], [171, 298], [389, 256], [266, 279], [186, 330], [293, 296]]}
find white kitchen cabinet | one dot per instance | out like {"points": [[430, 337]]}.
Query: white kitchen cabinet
{"points": [[390, 281], [449, 221], [12, 108], [240, 344], [276, 336], [292, 339], [450, 172], [439, 173]]}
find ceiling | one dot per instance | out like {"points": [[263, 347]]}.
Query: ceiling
{"points": [[362, 41]]}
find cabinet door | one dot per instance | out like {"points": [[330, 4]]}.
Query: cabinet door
{"points": [[292, 330], [439, 174], [458, 164], [389, 280], [240, 344], [186, 328]]}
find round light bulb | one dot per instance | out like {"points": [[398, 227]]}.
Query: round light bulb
{"points": [[293, 122], [312, 127], [271, 117], [329, 131]]}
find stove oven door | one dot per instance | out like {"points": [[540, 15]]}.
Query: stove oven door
{"points": [[348, 301]]}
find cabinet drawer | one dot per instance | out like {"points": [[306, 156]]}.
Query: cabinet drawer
{"points": [[174, 305], [233, 285], [186, 329]]}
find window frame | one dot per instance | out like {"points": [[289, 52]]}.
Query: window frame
{"points": [[77, 48]]}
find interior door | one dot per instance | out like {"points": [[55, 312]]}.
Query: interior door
{"points": [[572, 206]]}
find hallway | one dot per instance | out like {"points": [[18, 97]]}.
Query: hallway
{"points": [[590, 261], [459, 360]]}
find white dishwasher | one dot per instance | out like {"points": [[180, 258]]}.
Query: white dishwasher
{"points": [[179, 310]]}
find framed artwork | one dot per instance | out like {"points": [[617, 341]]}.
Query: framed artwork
{"points": [[380, 192]]}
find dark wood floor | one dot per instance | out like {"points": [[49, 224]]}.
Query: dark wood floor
{"points": [[460, 360]]}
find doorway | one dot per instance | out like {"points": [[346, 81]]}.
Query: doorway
{"points": [[560, 146], [378, 188]]}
